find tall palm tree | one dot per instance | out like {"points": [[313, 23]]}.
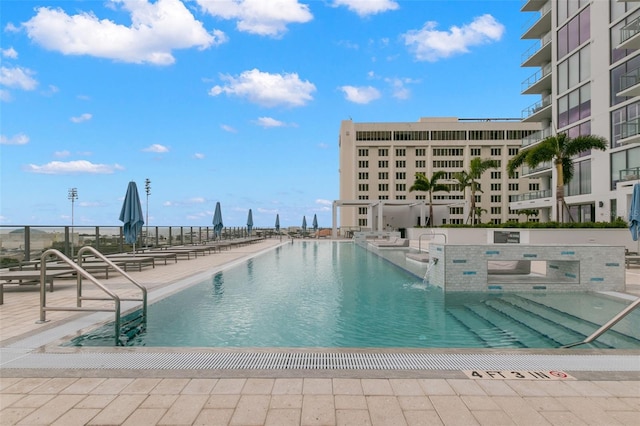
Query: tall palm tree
{"points": [[422, 183], [464, 182], [560, 149], [477, 167]]}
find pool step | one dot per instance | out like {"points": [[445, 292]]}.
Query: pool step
{"points": [[612, 338], [131, 326], [487, 332]]}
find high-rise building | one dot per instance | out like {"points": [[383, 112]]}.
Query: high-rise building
{"points": [[379, 161], [586, 59]]}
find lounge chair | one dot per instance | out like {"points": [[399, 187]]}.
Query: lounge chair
{"points": [[391, 243]]}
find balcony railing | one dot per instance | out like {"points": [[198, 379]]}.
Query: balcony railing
{"points": [[536, 137], [629, 128], [545, 193], [546, 39], [526, 170], [536, 77], [630, 174], [541, 104], [24, 243], [630, 30], [531, 22], [629, 79]]}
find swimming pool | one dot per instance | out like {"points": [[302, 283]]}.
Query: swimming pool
{"points": [[321, 294]]}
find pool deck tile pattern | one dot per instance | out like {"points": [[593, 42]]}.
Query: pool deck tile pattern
{"points": [[100, 397]]}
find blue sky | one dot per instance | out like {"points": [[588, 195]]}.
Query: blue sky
{"points": [[236, 101]]}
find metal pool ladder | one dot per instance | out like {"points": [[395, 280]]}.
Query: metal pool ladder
{"points": [[606, 327], [82, 273]]}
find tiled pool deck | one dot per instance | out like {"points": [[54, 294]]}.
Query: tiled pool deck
{"points": [[183, 396]]}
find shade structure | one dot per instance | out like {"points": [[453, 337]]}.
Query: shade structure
{"points": [[315, 223], [277, 223], [217, 220], [249, 222], [634, 212], [131, 215], [304, 224]]}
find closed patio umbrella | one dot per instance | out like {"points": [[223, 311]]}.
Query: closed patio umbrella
{"points": [[131, 215], [304, 224], [634, 212], [217, 221], [250, 222], [277, 222], [315, 223]]}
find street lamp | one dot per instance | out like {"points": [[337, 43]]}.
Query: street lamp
{"points": [[73, 196], [147, 188]]}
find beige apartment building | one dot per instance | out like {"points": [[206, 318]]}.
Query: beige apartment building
{"points": [[585, 61], [379, 161]]}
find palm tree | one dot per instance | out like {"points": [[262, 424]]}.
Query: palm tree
{"points": [[560, 149], [477, 167], [464, 181], [422, 183]]}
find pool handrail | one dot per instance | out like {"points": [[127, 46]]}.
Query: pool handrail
{"points": [[81, 272], [607, 326]]}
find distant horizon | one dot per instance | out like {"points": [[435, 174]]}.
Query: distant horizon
{"points": [[227, 102]]}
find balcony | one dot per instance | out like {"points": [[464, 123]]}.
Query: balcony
{"points": [[539, 54], [539, 82], [630, 35], [538, 111], [536, 195], [630, 174], [630, 132], [630, 83], [536, 137], [541, 169], [541, 24], [533, 5]]}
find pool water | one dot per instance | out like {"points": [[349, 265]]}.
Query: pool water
{"points": [[320, 294]]}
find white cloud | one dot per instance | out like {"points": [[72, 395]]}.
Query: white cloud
{"points": [[10, 53], [267, 89], [156, 148], [428, 44], [228, 128], [73, 167], [266, 18], [399, 88], [199, 155], [51, 90], [5, 96], [360, 95], [91, 204], [156, 30], [19, 139], [61, 154], [324, 202], [367, 7], [81, 118], [17, 77], [269, 122], [196, 200]]}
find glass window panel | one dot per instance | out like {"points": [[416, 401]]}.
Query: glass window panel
{"points": [[574, 70], [572, 6], [562, 11], [633, 158], [563, 76], [616, 74], [585, 101], [585, 61], [563, 42], [574, 34], [585, 25], [574, 106], [563, 111], [585, 177], [617, 164]]}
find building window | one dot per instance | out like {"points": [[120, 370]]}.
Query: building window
{"points": [[383, 175], [383, 164], [420, 164], [496, 175], [439, 164], [513, 152], [574, 106], [581, 181], [475, 152], [383, 197], [363, 175], [496, 221], [362, 210], [421, 152], [496, 210], [534, 187], [362, 221], [449, 135], [411, 135], [421, 197], [448, 152], [496, 198], [363, 197], [623, 123], [401, 164], [401, 152], [514, 187], [518, 134], [383, 187], [624, 165], [574, 33], [574, 70], [373, 135], [383, 152], [363, 164], [488, 135], [363, 187], [363, 152], [401, 186], [496, 152], [496, 187], [401, 175], [456, 210], [401, 197]]}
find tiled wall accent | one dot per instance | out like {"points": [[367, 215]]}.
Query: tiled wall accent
{"points": [[569, 268]]}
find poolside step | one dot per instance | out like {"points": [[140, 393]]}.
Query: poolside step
{"points": [[612, 338], [491, 335], [131, 326]]}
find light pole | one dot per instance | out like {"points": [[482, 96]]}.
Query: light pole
{"points": [[147, 188], [73, 196]]}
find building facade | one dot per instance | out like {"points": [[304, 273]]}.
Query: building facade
{"points": [[586, 61], [379, 161]]}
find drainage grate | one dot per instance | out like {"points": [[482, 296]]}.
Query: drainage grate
{"points": [[316, 361]]}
